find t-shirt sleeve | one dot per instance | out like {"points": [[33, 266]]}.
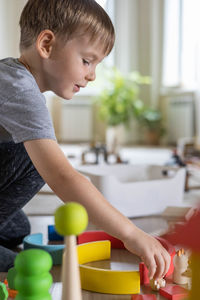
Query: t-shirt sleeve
{"points": [[26, 117]]}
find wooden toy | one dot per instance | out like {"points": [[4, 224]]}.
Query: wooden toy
{"points": [[3, 291], [98, 235], [144, 278], [173, 292], [188, 274], [143, 297], [180, 266], [33, 279], [178, 213], [103, 280], [188, 236], [35, 241], [70, 220], [157, 284]]}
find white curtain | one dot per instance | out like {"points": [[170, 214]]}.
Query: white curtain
{"points": [[181, 57], [139, 44]]}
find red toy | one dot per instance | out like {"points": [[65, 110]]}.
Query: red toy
{"points": [[173, 292], [143, 297], [92, 236], [144, 278]]}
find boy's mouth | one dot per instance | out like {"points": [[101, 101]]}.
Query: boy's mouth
{"points": [[76, 88]]}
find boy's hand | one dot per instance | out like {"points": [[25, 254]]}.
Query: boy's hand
{"points": [[152, 253]]}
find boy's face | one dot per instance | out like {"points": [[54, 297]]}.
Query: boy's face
{"points": [[71, 66]]}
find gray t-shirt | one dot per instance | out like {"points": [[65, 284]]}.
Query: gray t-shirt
{"points": [[23, 112]]}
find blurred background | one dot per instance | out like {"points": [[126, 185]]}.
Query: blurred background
{"points": [[143, 107]]}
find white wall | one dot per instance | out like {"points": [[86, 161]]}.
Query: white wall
{"points": [[10, 11]]}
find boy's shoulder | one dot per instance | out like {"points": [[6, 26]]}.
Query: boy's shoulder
{"points": [[15, 78]]}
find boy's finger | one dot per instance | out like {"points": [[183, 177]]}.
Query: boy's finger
{"points": [[160, 261], [151, 266], [167, 259]]}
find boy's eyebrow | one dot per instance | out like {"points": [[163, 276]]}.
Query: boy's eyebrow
{"points": [[92, 55]]}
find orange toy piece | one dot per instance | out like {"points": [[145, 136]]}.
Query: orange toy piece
{"points": [[11, 293]]}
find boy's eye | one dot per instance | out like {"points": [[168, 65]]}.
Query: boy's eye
{"points": [[86, 62]]}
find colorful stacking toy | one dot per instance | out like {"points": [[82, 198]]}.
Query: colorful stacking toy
{"points": [[70, 220]]}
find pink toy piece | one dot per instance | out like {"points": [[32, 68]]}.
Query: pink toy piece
{"points": [[143, 297], [173, 292]]}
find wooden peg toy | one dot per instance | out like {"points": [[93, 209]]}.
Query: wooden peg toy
{"points": [[70, 220], [157, 284], [180, 266]]}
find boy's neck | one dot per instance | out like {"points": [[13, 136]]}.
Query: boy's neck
{"points": [[23, 62], [31, 64]]}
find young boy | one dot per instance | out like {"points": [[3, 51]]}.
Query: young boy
{"points": [[62, 42]]}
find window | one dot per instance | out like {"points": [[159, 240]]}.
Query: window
{"points": [[172, 43], [181, 54], [190, 55]]}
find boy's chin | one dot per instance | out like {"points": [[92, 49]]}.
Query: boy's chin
{"points": [[64, 94]]}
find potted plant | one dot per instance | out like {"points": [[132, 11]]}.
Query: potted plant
{"points": [[151, 121], [119, 102]]}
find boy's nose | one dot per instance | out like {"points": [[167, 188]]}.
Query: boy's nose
{"points": [[91, 76]]}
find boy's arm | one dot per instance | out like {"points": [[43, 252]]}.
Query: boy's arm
{"points": [[69, 185]]}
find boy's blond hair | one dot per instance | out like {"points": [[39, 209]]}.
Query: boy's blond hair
{"points": [[66, 19]]}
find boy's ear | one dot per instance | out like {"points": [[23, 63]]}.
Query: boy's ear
{"points": [[45, 42]]}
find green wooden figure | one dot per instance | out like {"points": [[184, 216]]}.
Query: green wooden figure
{"points": [[33, 279], [11, 277]]}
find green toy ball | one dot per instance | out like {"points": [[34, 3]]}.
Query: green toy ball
{"points": [[71, 219]]}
